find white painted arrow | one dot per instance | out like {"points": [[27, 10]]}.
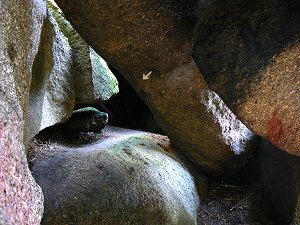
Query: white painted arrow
{"points": [[147, 76]]}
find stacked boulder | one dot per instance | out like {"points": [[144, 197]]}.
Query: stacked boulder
{"points": [[151, 47], [248, 53]]}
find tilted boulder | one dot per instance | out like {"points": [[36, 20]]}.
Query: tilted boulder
{"points": [[248, 52], [150, 43], [124, 178], [94, 82], [64, 75], [52, 95], [21, 199]]}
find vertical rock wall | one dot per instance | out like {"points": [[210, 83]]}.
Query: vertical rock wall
{"points": [[21, 200]]}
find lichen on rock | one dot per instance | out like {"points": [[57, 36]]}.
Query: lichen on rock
{"points": [[94, 82], [52, 95]]}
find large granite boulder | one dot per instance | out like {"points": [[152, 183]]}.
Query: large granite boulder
{"points": [[52, 95], [150, 43], [248, 52], [21, 200], [65, 71], [125, 177], [90, 70]]}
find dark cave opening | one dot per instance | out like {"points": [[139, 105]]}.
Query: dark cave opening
{"points": [[127, 109]]}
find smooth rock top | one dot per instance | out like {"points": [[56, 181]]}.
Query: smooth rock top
{"points": [[124, 178]]}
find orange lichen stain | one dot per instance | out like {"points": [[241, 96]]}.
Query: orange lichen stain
{"points": [[275, 129], [284, 136]]}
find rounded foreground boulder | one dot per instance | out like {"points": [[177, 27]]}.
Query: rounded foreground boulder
{"points": [[124, 179]]}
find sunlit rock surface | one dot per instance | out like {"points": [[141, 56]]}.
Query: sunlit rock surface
{"points": [[52, 95], [94, 82], [150, 43], [248, 52], [123, 177], [21, 200]]}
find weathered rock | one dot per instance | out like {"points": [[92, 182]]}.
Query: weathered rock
{"points": [[90, 70], [248, 52], [87, 119], [125, 178], [152, 41], [52, 96], [21, 199], [280, 179]]}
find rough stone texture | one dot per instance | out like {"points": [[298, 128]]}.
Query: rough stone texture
{"points": [[124, 178], [3, 218], [87, 119], [248, 52], [280, 179], [90, 70], [21, 199], [149, 37], [52, 96]]}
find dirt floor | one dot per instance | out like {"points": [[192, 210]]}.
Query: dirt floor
{"points": [[226, 202]]}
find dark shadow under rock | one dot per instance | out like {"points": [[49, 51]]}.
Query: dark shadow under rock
{"points": [[232, 204], [280, 183]]}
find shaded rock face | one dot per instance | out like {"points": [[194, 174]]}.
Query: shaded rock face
{"points": [[126, 178], [21, 200], [280, 179], [156, 41], [87, 119], [52, 96], [248, 52], [90, 70]]}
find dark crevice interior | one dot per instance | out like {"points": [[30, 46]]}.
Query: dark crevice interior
{"points": [[127, 110]]}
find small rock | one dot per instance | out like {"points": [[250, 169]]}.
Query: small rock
{"points": [[87, 119], [213, 138]]}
